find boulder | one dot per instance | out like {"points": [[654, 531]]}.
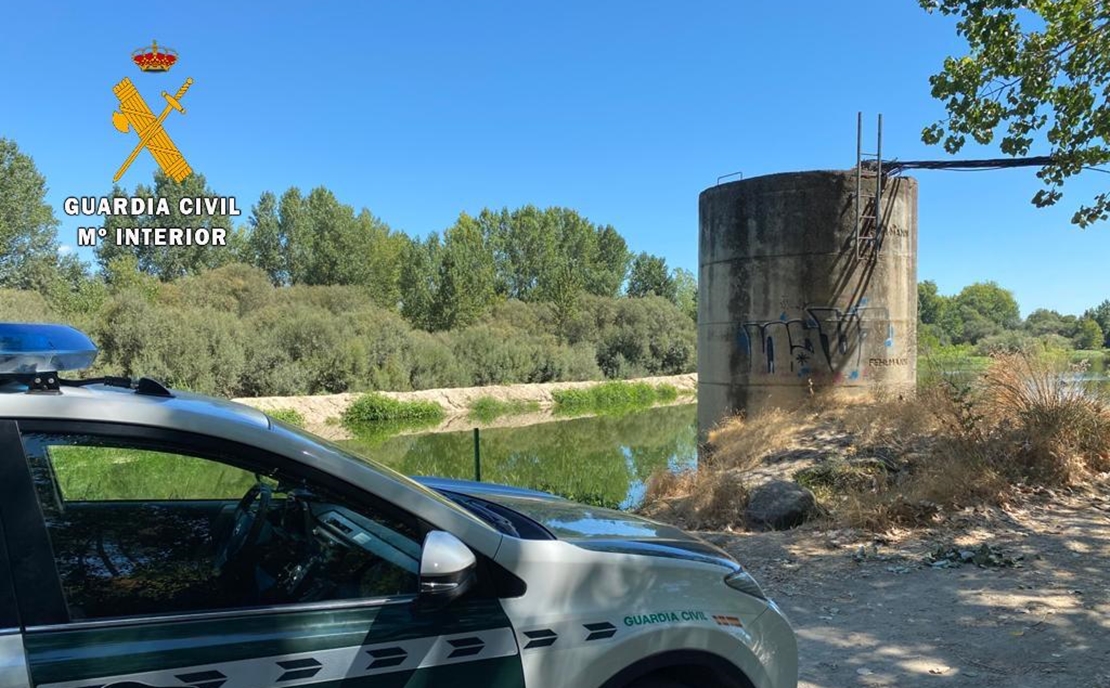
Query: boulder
{"points": [[778, 505]]}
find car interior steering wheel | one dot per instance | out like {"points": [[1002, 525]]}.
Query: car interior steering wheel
{"points": [[250, 518]]}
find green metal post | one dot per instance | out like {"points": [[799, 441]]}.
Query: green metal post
{"points": [[477, 458]]}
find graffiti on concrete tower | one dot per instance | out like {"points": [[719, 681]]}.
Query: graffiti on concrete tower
{"points": [[822, 340]]}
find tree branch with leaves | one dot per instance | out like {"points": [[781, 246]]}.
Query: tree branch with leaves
{"points": [[1034, 68]]}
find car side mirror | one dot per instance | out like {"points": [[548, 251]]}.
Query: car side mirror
{"points": [[447, 570]]}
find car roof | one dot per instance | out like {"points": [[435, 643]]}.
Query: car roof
{"points": [[227, 420], [105, 403]]}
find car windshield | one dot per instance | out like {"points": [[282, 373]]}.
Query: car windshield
{"points": [[330, 447]]}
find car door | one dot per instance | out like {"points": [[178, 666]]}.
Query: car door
{"points": [[122, 583], [13, 664]]}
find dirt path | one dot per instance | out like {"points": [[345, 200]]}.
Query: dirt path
{"points": [[885, 618]]}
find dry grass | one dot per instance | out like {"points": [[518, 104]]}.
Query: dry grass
{"points": [[701, 499], [741, 443], [1057, 429], [1025, 421], [961, 441], [892, 422], [715, 495]]}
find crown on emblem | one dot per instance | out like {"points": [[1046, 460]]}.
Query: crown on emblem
{"points": [[154, 58]]}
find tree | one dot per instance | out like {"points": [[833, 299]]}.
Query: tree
{"points": [[538, 253], [1101, 315], [686, 292], [980, 310], [28, 228], [169, 262], [611, 267], [1049, 75], [1043, 321], [467, 277], [930, 304], [419, 281], [992, 302], [649, 275], [265, 245], [1088, 335], [296, 231], [317, 240]]}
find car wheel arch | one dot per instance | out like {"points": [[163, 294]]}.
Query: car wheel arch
{"points": [[682, 666]]}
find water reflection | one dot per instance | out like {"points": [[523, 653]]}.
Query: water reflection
{"points": [[602, 460]]}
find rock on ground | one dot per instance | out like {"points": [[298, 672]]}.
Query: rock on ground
{"points": [[779, 504]]}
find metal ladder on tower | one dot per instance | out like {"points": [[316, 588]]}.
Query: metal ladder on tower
{"points": [[869, 206]]}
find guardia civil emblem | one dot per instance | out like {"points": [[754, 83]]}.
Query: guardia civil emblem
{"points": [[135, 114]]}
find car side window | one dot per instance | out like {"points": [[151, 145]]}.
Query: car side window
{"points": [[139, 528]]}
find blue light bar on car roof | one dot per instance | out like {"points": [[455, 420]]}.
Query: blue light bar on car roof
{"points": [[34, 348]]}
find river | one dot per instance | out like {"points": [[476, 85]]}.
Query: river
{"points": [[600, 460]]}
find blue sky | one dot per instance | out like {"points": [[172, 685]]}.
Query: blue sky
{"points": [[624, 111]]}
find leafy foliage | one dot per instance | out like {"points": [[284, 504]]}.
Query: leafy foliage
{"points": [[313, 297], [650, 276], [686, 292], [374, 407], [287, 415], [28, 244], [1101, 315], [486, 409], [1088, 335], [231, 332], [611, 397], [1033, 68], [983, 320], [170, 262], [979, 311]]}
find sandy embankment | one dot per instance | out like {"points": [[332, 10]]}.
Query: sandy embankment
{"points": [[317, 410]]}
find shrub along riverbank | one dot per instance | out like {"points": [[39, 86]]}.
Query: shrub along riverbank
{"points": [[379, 414], [486, 409], [230, 332], [374, 407], [612, 397]]}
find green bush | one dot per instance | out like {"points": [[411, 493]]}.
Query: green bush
{"points": [[374, 407], [665, 393], [287, 415], [500, 356], [24, 306], [610, 397], [485, 409], [228, 331], [433, 362], [236, 288]]}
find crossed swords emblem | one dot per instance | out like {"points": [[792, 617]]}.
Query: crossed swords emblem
{"points": [[135, 114]]}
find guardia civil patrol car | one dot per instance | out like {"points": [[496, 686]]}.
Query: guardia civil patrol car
{"points": [[152, 538]]}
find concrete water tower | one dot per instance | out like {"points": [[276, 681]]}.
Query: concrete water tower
{"points": [[800, 288]]}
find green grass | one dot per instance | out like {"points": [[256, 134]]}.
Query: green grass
{"points": [[375, 408], [612, 397], [955, 363], [373, 433], [1096, 358], [110, 473], [486, 409], [665, 394], [287, 415]]}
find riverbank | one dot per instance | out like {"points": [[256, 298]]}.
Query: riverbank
{"points": [[321, 412]]}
